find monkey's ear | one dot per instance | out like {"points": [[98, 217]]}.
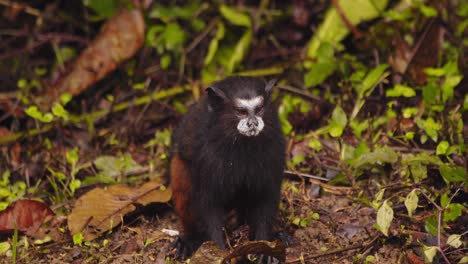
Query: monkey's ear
{"points": [[270, 84], [215, 95]]}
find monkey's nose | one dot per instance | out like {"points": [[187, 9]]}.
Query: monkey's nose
{"points": [[252, 121]]}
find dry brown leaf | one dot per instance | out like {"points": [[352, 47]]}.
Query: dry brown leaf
{"points": [[102, 209], [119, 39], [27, 215]]}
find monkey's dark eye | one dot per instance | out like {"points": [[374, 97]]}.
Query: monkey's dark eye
{"points": [[259, 110], [241, 112]]}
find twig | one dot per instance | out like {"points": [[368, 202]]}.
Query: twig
{"points": [[336, 251], [27, 9], [96, 115], [356, 32], [440, 210], [306, 175], [299, 92]]}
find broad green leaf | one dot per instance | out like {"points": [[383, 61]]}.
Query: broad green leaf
{"points": [[442, 148], [429, 253], [377, 202], [33, 112], [59, 111], [72, 156], [411, 202], [235, 17], [103, 8], [338, 122], [452, 173], [333, 29], [410, 111], [449, 85], [454, 241], [430, 126], [430, 93], [418, 171], [315, 144], [428, 11], [372, 79], [174, 36], [4, 247], [379, 156], [74, 184], [213, 47], [240, 50], [453, 211], [65, 98], [401, 90], [164, 62], [318, 73], [78, 239], [384, 217], [111, 166], [464, 260]]}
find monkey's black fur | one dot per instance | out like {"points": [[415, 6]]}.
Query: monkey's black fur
{"points": [[227, 170]]}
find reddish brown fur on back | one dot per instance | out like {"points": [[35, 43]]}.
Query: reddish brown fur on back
{"points": [[181, 189]]}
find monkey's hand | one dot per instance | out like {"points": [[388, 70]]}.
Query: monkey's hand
{"points": [[184, 247]]}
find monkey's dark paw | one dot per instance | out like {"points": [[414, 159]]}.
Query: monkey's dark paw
{"points": [[184, 247], [285, 238], [263, 259]]}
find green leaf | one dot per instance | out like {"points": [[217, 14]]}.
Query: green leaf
{"points": [[465, 103], [401, 90], [384, 217], [239, 50], [165, 61], [377, 202], [72, 156], [174, 36], [235, 17], [418, 171], [74, 184], [453, 211], [333, 29], [452, 173], [214, 43], [338, 122], [430, 93], [442, 148], [78, 239], [318, 73], [379, 156], [430, 126], [429, 253], [449, 85], [33, 112], [411, 202], [4, 247], [372, 79], [428, 11], [464, 260], [454, 241], [103, 8], [59, 111], [65, 98], [315, 144]]}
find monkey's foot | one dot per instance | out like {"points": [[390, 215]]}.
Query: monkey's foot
{"points": [[264, 259], [285, 238], [184, 247]]}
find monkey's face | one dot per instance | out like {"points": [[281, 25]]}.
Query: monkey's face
{"points": [[241, 105], [249, 112]]}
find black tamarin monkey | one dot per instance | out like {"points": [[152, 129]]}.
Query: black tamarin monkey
{"points": [[227, 153]]}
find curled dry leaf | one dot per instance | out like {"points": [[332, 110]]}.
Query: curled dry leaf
{"points": [[119, 39], [27, 215], [209, 252], [102, 209]]}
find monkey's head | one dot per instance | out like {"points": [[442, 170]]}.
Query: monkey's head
{"points": [[242, 104]]}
